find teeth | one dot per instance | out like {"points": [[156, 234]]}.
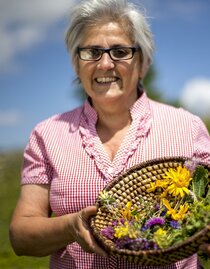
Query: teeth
{"points": [[106, 79]]}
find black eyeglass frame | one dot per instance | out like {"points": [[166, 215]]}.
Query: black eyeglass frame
{"points": [[107, 50]]}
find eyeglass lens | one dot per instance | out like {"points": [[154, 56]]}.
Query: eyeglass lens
{"points": [[121, 53]]}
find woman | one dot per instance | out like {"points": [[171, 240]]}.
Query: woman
{"points": [[71, 157]]}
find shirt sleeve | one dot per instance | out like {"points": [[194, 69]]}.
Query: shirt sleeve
{"points": [[36, 165], [202, 141]]}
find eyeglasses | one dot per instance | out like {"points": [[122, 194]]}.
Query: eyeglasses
{"points": [[116, 54]]}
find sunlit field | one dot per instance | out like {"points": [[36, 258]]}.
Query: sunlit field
{"points": [[10, 165]]}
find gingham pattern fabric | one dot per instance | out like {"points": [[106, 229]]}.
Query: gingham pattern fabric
{"points": [[66, 152]]}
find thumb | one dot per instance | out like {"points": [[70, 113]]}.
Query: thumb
{"points": [[87, 212]]}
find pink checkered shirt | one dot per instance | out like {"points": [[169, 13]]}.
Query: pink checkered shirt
{"points": [[66, 152]]}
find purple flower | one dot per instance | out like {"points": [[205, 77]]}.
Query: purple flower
{"points": [[163, 213], [191, 164], [157, 207], [108, 232], [135, 244], [175, 224], [154, 221], [115, 223]]}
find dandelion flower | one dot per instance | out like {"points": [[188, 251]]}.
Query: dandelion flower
{"points": [[179, 181]]}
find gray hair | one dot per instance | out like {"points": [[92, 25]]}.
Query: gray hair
{"points": [[92, 12]]}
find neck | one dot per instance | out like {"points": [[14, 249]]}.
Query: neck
{"points": [[114, 121]]}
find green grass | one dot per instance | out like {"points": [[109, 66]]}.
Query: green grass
{"points": [[10, 167]]}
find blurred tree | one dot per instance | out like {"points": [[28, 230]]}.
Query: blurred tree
{"points": [[207, 122], [150, 84]]}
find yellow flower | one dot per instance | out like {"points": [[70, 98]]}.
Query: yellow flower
{"points": [[174, 214], [179, 181], [152, 187], [161, 238], [126, 230], [121, 230], [167, 205], [164, 194], [158, 184], [160, 232], [181, 214], [127, 213]]}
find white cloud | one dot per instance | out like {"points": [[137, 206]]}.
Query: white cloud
{"points": [[24, 24], [195, 96], [13, 43], [10, 118], [163, 9]]}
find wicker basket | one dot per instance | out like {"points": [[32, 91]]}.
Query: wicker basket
{"points": [[131, 186]]}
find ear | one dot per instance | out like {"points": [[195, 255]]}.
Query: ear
{"points": [[144, 69]]}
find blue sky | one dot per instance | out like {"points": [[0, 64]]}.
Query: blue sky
{"points": [[36, 73]]}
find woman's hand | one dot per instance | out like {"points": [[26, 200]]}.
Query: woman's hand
{"points": [[205, 248], [34, 233], [80, 230]]}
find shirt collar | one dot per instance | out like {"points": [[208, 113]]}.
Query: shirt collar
{"points": [[140, 107], [138, 110]]}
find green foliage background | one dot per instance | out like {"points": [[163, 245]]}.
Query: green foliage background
{"points": [[10, 166]]}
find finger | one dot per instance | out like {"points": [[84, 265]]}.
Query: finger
{"points": [[92, 245], [205, 248], [89, 211], [85, 215]]}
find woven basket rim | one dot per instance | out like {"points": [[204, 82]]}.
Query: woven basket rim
{"points": [[159, 251], [150, 162], [112, 250]]}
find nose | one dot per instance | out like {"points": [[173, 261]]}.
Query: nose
{"points": [[105, 63]]}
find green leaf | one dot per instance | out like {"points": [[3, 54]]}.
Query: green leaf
{"points": [[207, 199], [200, 181]]}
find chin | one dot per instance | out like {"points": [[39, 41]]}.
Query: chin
{"points": [[109, 92]]}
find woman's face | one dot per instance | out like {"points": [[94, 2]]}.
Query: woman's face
{"points": [[107, 81]]}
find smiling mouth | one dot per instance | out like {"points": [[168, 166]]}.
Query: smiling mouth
{"points": [[106, 79]]}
